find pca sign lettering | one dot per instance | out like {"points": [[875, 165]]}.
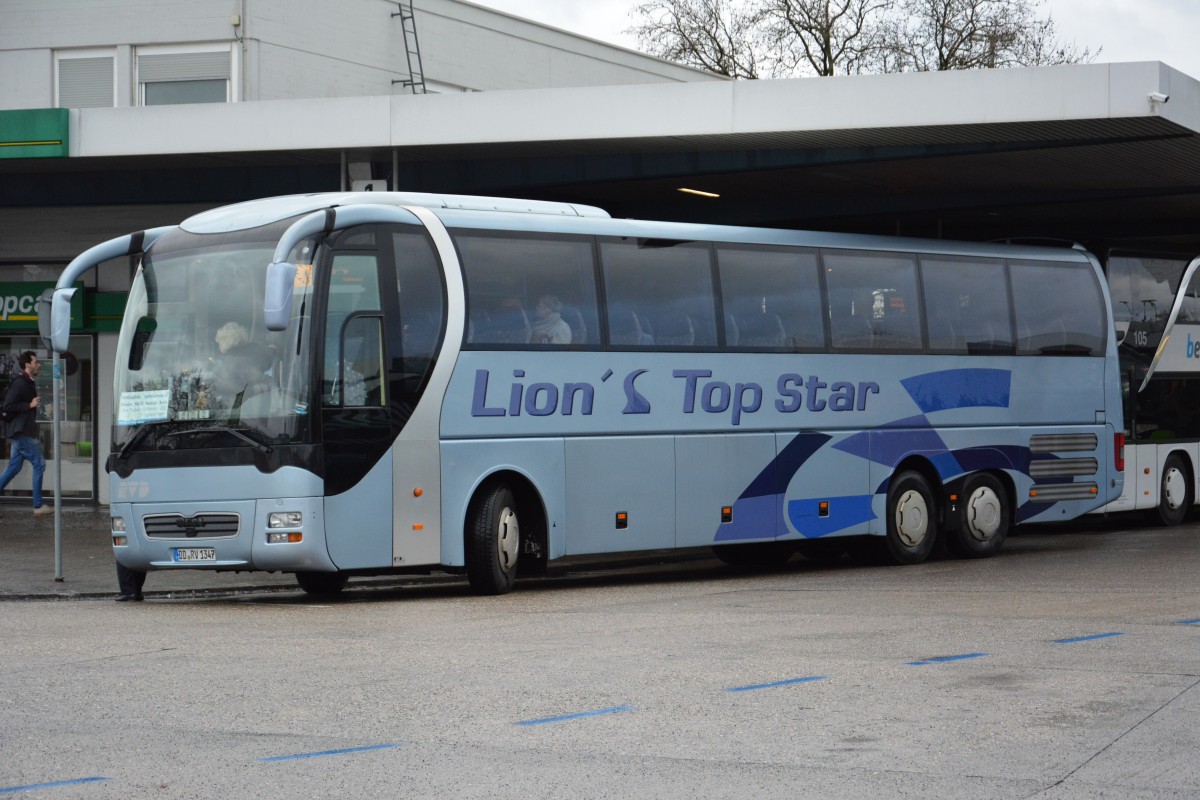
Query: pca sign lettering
{"points": [[698, 393], [24, 305]]}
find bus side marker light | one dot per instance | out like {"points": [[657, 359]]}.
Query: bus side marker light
{"points": [[726, 514], [622, 520], [417, 492], [823, 508], [1033, 492], [418, 526], [1146, 471]]}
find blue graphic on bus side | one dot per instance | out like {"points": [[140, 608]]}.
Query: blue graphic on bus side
{"points": [[761, 507]]}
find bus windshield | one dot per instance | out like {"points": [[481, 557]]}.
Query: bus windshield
{"points": [[196, 367]]}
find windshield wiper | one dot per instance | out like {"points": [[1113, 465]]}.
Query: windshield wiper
{"points": [[241, 433], [134, 440]]}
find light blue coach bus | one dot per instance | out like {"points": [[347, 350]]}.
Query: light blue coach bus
{"points": [[373, 383]]}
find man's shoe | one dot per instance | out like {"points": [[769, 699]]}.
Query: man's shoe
{"points": [[43, 511], [126, 598]]}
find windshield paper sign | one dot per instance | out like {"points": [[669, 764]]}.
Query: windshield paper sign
{"points": [[138, 407]]}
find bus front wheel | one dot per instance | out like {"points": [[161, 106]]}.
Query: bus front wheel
{"points": [[1175, 492], [321, 582], [983, 522], [911, 519], [493, 540]]}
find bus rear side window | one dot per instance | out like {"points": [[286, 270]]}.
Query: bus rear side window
{"points": [[1059, 309]]}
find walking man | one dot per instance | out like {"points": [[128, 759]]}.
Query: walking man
{"points": [[20, 424]]}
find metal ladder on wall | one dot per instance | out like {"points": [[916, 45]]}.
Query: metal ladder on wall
{"points": [[412, 48]]}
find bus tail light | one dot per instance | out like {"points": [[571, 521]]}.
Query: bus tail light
{"points": [[1119, 451]]}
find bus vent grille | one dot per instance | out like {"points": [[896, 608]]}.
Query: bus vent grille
{"points": [[1062, 467], [1053, 492], [201, 526], [1062, 442]]}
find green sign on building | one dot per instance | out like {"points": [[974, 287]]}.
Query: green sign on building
{"points": [[19, 306], [34, 133]]}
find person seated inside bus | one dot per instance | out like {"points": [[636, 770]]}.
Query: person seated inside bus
{"points": [[243, 365], [549, 327]]}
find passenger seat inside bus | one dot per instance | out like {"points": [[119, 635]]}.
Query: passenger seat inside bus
{"points": [[761, 330]]}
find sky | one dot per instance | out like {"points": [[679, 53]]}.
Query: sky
{"points": [[1127, 30]]}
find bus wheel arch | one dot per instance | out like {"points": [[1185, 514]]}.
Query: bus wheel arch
{"points": [[983, 517], [505, 532], [1175, 494], [912, 512]]}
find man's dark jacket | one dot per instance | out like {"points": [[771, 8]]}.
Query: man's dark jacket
{"points": [[20, 394]]}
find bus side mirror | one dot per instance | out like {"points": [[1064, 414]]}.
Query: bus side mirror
{"points": [[277, 299], [60, 320]]}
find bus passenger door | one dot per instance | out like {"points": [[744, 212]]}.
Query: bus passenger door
{"points": [[356, 426]]}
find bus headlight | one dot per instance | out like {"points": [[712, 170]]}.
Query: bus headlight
{"points": [[118, 524], [285, 519]]}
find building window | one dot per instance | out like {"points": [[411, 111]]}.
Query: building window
{"points": [[85, 79], [169, 75]]}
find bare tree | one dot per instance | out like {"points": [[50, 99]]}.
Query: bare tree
{"points": [[760, 38], [721, 36], [823, 37], [934, 35]]}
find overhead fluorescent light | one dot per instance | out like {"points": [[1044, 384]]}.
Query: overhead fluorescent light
{"points": [[698, 193]]}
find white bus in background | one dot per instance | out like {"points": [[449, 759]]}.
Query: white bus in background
{"points": [[362, 384], [1156, 303]]}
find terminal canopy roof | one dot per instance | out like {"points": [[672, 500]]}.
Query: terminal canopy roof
{"points": [[1104, 154]]}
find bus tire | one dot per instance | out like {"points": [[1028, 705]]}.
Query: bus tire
{"points": [[911, 519], [493, 543], [322, 583], [1174, 491], [755, 555], [983, 518]]}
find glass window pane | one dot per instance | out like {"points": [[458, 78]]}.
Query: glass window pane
{"points": [[166, 93], [422, 301], [362, 363], [660, 294], [873, 303], [772, 299], [1059, 309], [966, 305], [353, 289], [529, 291]]}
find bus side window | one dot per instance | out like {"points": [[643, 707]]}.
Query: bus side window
{"points": [[660, 294], [1055, 327], [873, 300], [772, 298], [966, 305]]}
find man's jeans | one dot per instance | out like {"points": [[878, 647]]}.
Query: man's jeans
{"points": [[25, 448]]}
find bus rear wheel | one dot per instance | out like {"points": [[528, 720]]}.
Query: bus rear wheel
{"points": [[911, 519], [321, 583], [984, 518], [493, 540], [1175, 491]]}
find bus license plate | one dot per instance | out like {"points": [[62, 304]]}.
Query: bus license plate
{"points": [[195, 554]]}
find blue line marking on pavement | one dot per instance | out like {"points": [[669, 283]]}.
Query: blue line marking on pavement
{"points": [[33, 787], [1189, 622], [1093, 637], [789, 682], [342, 752], [944, 659], [580, 715]]}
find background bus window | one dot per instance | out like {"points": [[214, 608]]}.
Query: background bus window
{"points": [[772, 299], [529, 291], [659, 294], [966, 305], [1048, 325], [1143, 289], [872, 300]]}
